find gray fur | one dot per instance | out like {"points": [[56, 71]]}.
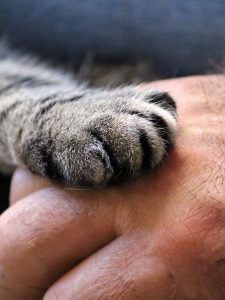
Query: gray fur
{"points": [[77, 135]]}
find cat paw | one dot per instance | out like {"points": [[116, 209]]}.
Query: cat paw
{"points": [[109, 137]]}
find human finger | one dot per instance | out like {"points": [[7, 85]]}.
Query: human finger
{"points": [[24, 183], [46, 234]]}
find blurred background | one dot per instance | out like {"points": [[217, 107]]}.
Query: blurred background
{"points": [[118, 40], [173, 38]]}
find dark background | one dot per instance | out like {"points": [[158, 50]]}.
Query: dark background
{"points": [[179, 37]]}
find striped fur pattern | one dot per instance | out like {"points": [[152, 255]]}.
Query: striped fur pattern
{"points": [[77, 135]]}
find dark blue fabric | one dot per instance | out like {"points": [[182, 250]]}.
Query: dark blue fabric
{"points": [[181, 37]]}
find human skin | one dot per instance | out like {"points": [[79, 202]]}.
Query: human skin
{"points": [[159, 237]]}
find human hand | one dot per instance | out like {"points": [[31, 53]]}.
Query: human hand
{"points": [[159, 237]]}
